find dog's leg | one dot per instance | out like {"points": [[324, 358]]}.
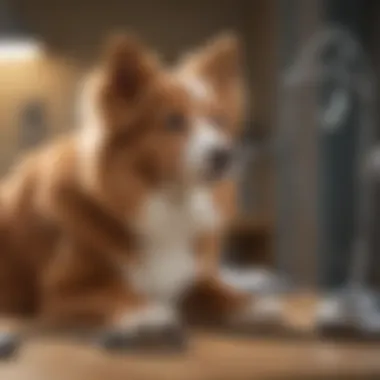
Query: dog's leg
{"points": [[117, 319], [214, 302], [149, 325], [81, 290]]}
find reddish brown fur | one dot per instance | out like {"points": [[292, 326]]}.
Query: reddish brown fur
{"points": [[63, 235]]}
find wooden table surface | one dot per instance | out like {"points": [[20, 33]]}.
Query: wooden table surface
{"points": [[210, 357]]}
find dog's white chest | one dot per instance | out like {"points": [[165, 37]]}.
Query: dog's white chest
{"points": [[169, 228]]}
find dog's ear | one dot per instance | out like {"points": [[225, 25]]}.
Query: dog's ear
{"points": [[220, 64], [130, 65], [219, 61]]}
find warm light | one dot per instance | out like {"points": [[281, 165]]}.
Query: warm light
{"points": [[19, 49]]}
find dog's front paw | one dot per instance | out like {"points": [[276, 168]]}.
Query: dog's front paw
{"points": [[154, 326], [261, 315]]}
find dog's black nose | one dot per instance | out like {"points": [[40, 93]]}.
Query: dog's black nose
{"points": [[220, 159]]}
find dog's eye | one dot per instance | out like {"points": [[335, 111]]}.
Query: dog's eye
{"points": [[176, 122]]}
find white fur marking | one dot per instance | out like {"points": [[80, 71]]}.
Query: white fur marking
{"points": [[262, 310], [169, 227], [151, 317], [205, 138]]}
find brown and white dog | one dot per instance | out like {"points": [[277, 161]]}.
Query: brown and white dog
{"points": [[120, 223]]}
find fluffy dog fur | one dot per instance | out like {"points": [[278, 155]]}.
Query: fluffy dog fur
{"points": [[117, 224]]}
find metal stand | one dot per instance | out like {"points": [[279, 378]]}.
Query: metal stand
{"points": [[346, 77]]}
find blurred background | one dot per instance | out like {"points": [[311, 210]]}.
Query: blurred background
{"points": [[308, 195]]}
